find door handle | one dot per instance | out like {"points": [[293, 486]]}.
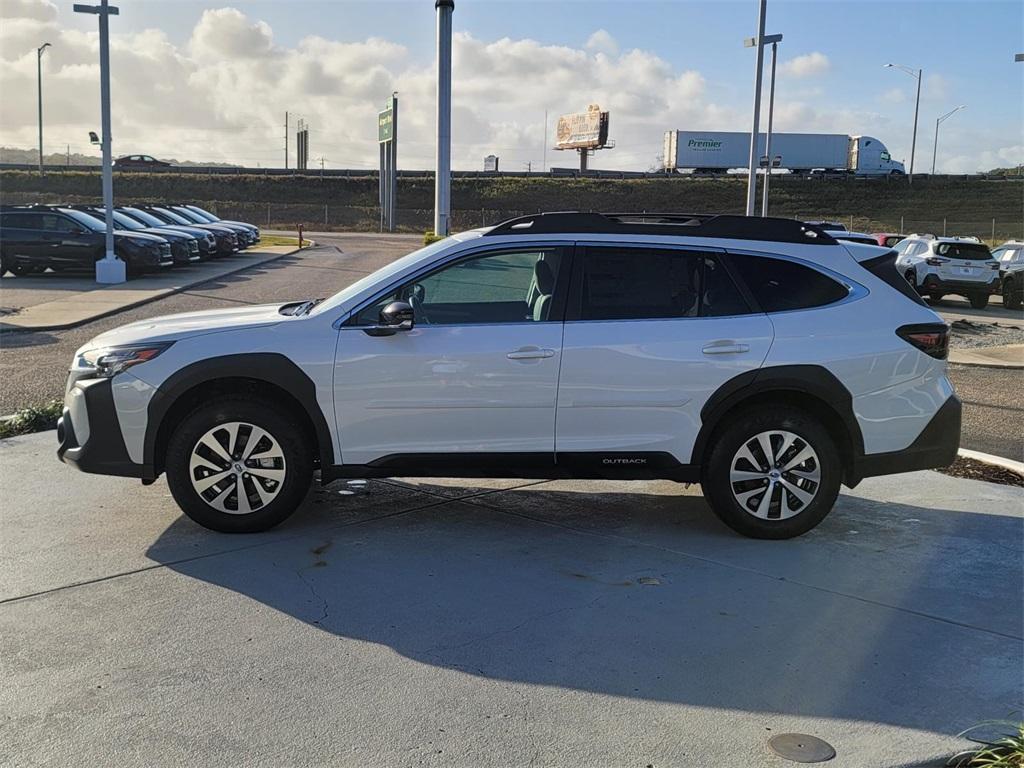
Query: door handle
{"points": [[727, 348], [530, 353]]}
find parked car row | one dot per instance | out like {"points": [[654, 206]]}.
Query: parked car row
{"points": [[146, 237], [939, 266]]}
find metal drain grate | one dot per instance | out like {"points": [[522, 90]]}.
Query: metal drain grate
{"points": [[801, 748]]}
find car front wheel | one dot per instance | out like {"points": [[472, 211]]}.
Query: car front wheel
{"points": [[239, 465], [1013, 294], [773, 472], [978, 300]]}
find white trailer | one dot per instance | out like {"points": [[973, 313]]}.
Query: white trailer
{"points": [[720, 151]]}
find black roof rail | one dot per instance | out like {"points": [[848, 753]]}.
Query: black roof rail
{"points": [[727, 226]]}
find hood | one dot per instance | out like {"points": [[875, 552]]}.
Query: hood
{"points": [[174, 327], [133, 234]]}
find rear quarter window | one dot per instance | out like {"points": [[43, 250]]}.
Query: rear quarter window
{"points": [[780, 286]]}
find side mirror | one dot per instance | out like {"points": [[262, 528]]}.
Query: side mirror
{"points": [[396, 316]]}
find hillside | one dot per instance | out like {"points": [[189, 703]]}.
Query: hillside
{"points": [[968, 206]]}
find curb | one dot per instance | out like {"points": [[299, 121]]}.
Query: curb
{"points": [[996, 461], [155, 297], [996, 366]]}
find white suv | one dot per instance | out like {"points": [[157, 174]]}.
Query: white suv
{"points": [[759, 357], [936, 266]]}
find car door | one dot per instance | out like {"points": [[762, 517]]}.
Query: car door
{"points": [[476, 376], [651, 333], [68, 243]]}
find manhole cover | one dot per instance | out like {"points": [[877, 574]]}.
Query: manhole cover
{"points": [[801, 748]]}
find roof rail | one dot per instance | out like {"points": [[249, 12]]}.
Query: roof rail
{"points": [[679, 224]]}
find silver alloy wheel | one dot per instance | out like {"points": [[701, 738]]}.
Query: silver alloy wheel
{"points": [[237, 468], [775, 474]]}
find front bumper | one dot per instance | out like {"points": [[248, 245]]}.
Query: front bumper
{"points": [[88, 434], [935, 447]]}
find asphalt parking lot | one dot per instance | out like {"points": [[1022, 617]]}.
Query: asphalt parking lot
{"points": [[34, 364], [498, 623]]}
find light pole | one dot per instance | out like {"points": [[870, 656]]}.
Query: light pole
{"points": [[775, 40], [443, 152], [935, 148], [39, 80], [1018, 57], [916, 74], [755, 128], [109, 269]]}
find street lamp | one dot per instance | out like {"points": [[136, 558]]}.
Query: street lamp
{"points": [[938, 122], [916, 74], [39, 81], [109, 269], [750, 42], [1018, 57], [755, 128]]}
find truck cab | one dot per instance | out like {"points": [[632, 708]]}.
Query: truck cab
{"points": [[869, 157]]}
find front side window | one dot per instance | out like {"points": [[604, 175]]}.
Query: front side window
{"points": [[780, 286], [516, 286]]}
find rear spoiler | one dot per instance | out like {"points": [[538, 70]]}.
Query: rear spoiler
{"points": [[863, 252]]}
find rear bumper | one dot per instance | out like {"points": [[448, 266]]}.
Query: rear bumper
{"points": [[936, 446], [934, 283], [88, 434]]}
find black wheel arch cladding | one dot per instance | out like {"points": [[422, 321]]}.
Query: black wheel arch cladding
{"points": [[269, 368]]}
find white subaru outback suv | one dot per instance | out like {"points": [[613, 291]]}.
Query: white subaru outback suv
{"points": [[759, 357], [937, 266]]}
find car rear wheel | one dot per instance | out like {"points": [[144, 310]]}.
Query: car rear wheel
{"points": [[936, 296], [1013, 294], [239, 465], [978, 300], [773, 472]]}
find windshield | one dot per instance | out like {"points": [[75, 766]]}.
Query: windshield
{"points": [[146, 218], [383, 275], [203, 212], [85, 219], [968, 251], [177, 218], [188, 215]]}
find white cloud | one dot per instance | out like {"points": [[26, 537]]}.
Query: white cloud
{"points": [[602, 42], [894, 96], [936, 87], [808, 65]]}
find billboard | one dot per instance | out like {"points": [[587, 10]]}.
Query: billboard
{"points": [[582, 130], [491, 163]]}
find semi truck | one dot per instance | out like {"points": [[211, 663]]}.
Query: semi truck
{"points": [[720, 151]]}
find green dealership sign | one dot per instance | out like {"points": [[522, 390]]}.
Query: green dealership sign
{"points": [[385, 126]]}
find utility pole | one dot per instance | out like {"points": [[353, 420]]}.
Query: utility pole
{"points": [[286, 140], [39, 81], [935, 147], [755, 128], [917, 106], [768, 136], [109, 269], [544, 167], [443, 152]]}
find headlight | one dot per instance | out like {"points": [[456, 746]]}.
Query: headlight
{"points": [[105, 362], [141, 242]]}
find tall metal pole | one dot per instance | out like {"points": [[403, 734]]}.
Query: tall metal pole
{"points": [[443, 161], [913, 141], [938, 122], [544, 166], [756, 123], [393, 165], [286, 141], [39, 80], [768, 136]]}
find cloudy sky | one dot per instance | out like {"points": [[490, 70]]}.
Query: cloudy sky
{"points": [[210, 81]]}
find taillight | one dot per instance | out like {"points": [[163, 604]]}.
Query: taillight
{"points": [[930, 338], [934, 261], [994, 265]]}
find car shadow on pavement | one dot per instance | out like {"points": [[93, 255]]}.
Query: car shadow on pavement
{"points": [[886, 613]]}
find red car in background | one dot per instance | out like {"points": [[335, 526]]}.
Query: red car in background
{"points": [[887, 239]]}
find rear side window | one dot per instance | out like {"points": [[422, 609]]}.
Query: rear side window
{"points": [[968, 251], [639, 283], [779, 286], [884, 268], [20, 220]]}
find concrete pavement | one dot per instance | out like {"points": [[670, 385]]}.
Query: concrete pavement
{"points": [[1008, 356], [504, 623]]}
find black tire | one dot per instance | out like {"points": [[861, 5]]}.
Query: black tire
{"points": [[978, 300], [20, 269], [281, 425], [741, 429], [911, 277], [936, 297], [1013, 294]]}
